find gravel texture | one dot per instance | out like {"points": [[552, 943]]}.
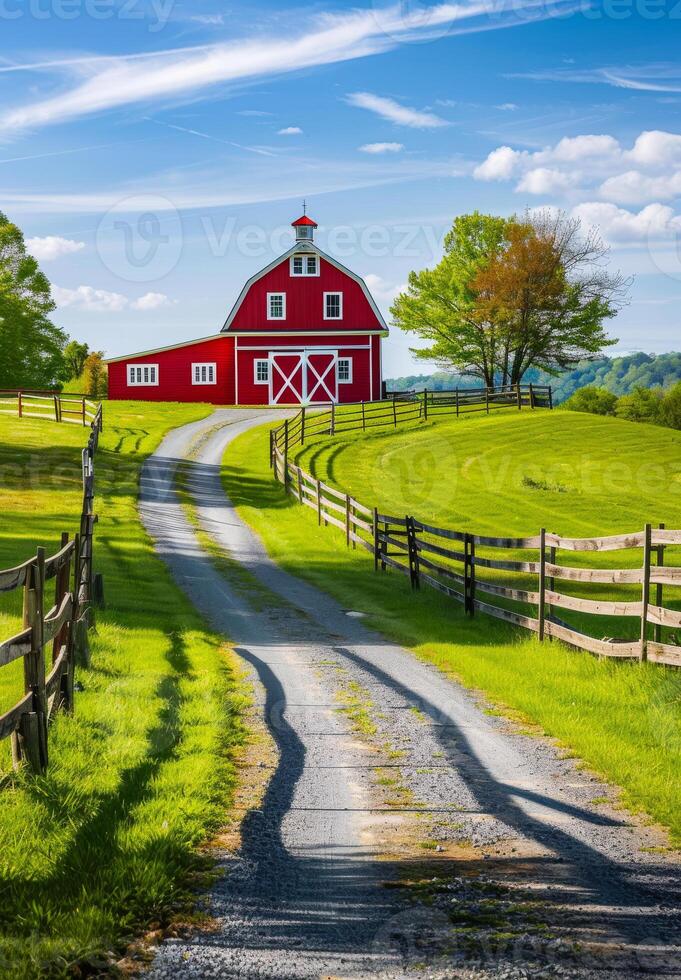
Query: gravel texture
{"points": [[385, 771]]}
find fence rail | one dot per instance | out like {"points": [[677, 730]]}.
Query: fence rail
{"points": [[64, 625], [527, 569], [78, 409]]}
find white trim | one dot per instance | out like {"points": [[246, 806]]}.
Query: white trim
{"points": [[304, 366], [305, 247], [348, 380], [236, 370], [339, 294], [209, 366], [270, 296], [142, 383], [303, 275], [256, 362], [371, 369], [283, 348]]}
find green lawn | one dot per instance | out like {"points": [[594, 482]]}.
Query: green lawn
{"points": [[107, 843], [592, 475]]}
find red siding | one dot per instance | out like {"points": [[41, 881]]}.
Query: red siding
{"points": [[305, 302], [174, 374]]}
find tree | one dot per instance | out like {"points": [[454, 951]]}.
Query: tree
{"points": [[670, 409], [597, 401], [642, 405], [95, 375], [75, 355], [439, 304], [31, 345], [513, 294]]}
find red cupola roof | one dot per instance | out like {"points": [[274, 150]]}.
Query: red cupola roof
{"points": [[304, 220]]}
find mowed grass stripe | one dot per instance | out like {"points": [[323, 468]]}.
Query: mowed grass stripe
{"points": [[107, 843], [623, 720]]}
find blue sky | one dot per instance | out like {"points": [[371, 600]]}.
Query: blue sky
{"points": [[154, 153]]}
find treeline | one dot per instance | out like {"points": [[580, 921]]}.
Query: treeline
{"points": [[617, 375], [661, 406]]}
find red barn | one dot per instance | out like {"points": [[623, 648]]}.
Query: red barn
{"points": [[304, 330]]}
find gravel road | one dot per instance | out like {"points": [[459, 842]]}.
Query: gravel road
{"points": [[384, 771]]}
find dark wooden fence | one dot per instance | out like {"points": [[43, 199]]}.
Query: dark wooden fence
{"points": [[65, 625], [399, 408], [513, 579], [48, 405]]}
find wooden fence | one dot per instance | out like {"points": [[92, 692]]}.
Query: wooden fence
{"points": [[520, 575], [64, 626], [402, 407], [48, 405]]}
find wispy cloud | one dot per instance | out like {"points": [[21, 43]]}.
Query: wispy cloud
{"points": [[214, 139], [664, 77], [395, 112], [376, 148], [93, 300], [290, 131], [127, 80]]}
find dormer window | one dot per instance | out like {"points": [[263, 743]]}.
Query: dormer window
{"points": [[304, 265]]}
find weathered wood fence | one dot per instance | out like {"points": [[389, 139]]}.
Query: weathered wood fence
{"points": [[48, 405], [516, 577], [64, 625]]}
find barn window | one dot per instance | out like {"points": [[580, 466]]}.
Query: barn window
{"points": [[344, 369], [261, 371], [140, 375], [333, 306], [304, 265], [276, 306], [204, 374]]}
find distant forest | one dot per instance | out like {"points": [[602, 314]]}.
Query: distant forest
{"points": [[620, 375]]}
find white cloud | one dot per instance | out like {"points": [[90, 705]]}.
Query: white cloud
{"points": [[52, 247], [507, 107], [102, 301], [394, 112], [543, 180], [106, 83], [290, 131], [89, 299], [572, 148], [382, 291], [500, 164], [656, 221], [151, 301], [210, 20], [633, 187], [382, 147], [656, 148]]}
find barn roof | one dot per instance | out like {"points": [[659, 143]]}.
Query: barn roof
{"points": [[297, 249]]}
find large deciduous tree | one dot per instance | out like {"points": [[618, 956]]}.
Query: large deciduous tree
{"points": [[31, 345], [512, 294], [75, 356]]}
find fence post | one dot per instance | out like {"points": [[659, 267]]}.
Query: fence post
{"points": [[333, 419], [657, 635], [645, 592], [425, 404], [60, 589], [55, 400], [302, 426], [285, 453], [364, 421], [413, 554], [375, 529], [319, 502], [30, 743], [531, 396], [394, 411], [542, 582], [83, 410], [519, 396], [550, 396], [300, 485], [457, 402], [471, 574], [487, 399]]}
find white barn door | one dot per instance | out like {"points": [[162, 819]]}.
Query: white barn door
{"points": [[303, 377]]}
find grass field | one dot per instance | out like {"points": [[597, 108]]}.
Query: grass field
{"points": [[106, 844], [588, 475]]}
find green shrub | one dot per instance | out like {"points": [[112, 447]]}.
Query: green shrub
{"points": [[597, 401]]}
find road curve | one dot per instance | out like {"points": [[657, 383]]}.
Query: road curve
{"points": [[306, 895]]}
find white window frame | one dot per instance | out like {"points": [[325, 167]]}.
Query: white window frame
{"points": [[339, 294], [207, 365], [270, 296], [134, 383], [344, 381], [256, 379], [304, 274]]}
